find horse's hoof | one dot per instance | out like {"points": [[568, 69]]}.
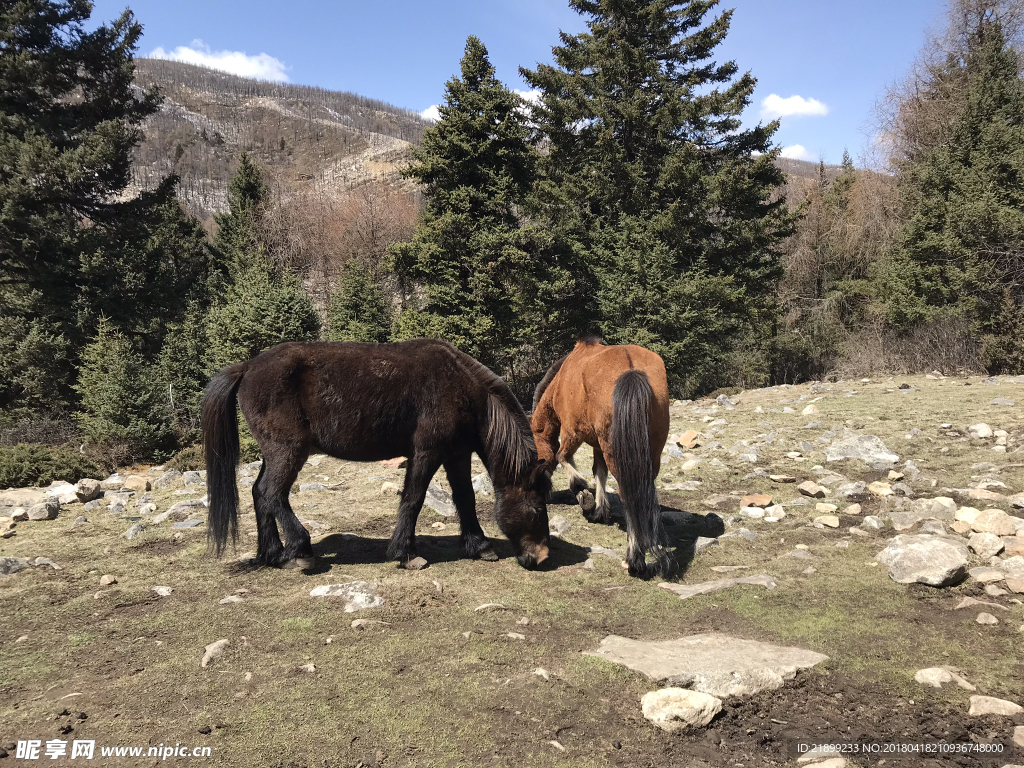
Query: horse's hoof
{"points": [[300, 564], [488, 554], [586, 501]]}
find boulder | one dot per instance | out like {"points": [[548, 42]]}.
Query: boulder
{"points": [[911, 513], [87, 490], [167, 478], [985, 545], [48, 510], [137, 483], [676, 709], [931, 560], [987, 705], [994, 521]]}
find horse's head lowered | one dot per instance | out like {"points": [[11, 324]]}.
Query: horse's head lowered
{"points": [[522, 514]]}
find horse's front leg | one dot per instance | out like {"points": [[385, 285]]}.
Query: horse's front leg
{"points": [[471, 535], [418, 472]]}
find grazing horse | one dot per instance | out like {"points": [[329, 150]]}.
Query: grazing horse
{"points": [[422, 399], [616, 400]]}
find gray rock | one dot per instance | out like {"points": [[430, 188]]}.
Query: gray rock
{"points": [[872, 523], [48, 510], [134, 531], [1002, 401], [677, 709], [931, 560], [933, 527], [911, 470], [117, 507], [846, 490], [686, 591], [9, 565], [558, 526], [987, 705], [88, 490], [308, 487], [80, 521], [985, 545], [740, 533], [712, 663], [911, 513], [186, 524], [868, 448], [357, 595], [192, 478], [167, 478], [91, 505], [440, 501], [936, 677], [482, 484], [599, 550]]}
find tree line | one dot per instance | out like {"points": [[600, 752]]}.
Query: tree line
{"points": [[628, 201]]}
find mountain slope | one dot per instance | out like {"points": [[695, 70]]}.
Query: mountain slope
{"points": [[304, 137]]}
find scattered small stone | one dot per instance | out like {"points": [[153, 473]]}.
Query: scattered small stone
{"points": [[830, 521], [416, 564], [515, 636], [310, 668], [986, 618], [106, 580], [135, 531], [231, 600], [542, 674], [487, 607], [812, 489], [358, 595], [558, 526], [936, 677], [213, 651], [853, 509], [390, 489]]}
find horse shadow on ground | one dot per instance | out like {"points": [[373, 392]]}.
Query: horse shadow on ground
{"points": [[341, 549], [682, 529]]}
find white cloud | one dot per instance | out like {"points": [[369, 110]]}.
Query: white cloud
{"points": [[797, 152], [530, 97], [260, 67], [774, 106], [431, 113]]}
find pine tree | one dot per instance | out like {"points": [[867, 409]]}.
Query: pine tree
{"points": [[358, 311], [69, 117], [471, 254], [124, 412], [651, 187], [961, 249], [263, 306], [240, 236]]}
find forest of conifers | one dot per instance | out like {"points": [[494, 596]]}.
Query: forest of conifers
{"points": [[148, 238]]}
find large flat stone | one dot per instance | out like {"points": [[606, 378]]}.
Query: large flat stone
{"points": [[707, 587], [711, 663]]}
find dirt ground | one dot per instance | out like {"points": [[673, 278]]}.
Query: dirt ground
{"points": [[438, 683]]}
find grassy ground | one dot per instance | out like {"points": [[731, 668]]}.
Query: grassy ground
{"points": [[416, 691]]}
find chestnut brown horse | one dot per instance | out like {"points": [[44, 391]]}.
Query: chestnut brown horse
{"points": [[615, 399], [422, 399]]}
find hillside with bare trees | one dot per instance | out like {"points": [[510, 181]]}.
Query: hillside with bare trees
{"points": [[308, 139]]}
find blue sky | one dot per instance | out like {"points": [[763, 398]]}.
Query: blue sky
{"points": [[836, 58]]}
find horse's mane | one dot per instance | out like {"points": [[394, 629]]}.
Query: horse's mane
{"points": [[538, 393], [509, 438]]}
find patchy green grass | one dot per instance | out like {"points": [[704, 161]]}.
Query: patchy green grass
{"points": [[416, 691]]}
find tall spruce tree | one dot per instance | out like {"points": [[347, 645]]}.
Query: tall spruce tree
{"points": [[358, 310], [258, 303], [470, 260], [73, 246], [961, 249], [663, 208]]}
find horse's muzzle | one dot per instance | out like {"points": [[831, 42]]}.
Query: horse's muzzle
{"points": [[531, 560]]}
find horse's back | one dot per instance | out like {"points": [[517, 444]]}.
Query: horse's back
{"points": [[581, 393], [359, 401]]}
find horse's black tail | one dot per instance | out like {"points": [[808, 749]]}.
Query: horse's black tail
{"points": [[220, 442], [631, 448]]}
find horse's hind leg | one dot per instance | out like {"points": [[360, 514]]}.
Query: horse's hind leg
{"points": [[269, 548], [603, 513], [471, 535], [280, 468], [421, 467], [577, 483]]}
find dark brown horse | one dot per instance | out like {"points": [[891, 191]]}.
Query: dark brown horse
{"points": [[422, 399], [616, 400]]}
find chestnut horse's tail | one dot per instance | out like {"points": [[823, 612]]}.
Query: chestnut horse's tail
{"points": [[220, 443], [631, 449]]}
